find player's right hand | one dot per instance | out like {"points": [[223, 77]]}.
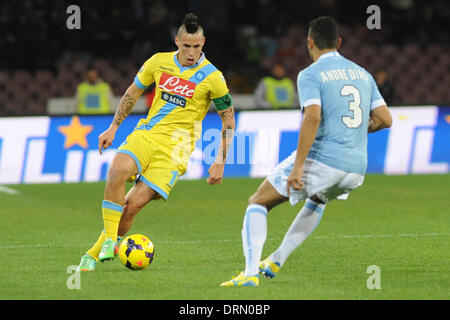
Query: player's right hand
{"points": [[294, 180], [106, 139]]}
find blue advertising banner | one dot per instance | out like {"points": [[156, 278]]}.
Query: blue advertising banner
{"points": [[65, 149]]}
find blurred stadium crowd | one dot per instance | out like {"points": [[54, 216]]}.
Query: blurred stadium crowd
{"points": [[41, 58]]}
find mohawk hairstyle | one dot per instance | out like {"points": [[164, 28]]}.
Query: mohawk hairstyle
{"points": [[190, 24]]}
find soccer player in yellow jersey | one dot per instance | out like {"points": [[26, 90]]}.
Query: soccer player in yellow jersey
{"points": [[158, 149]]}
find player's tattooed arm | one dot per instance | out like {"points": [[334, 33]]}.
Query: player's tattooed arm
{"points": [[106, 138], [228, 126], [123, 110], [126, 104]]}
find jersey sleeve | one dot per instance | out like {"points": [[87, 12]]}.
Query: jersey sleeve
{"points": [[144, 77], [308, 89], [218, 86], [376, 98]]}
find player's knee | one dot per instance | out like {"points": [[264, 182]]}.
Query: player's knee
{"points": [[251, 199], [256, 199], [128, 210], [264, 200], [131, 207], [134, 204], [122, 167], [118, 173]]}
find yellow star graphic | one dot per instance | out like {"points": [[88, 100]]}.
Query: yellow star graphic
{"points": [[75, 133]]}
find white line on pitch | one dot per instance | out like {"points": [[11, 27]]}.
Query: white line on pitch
{"points": [[9, 190], [170, 242], [356, 236], [365, 236]]}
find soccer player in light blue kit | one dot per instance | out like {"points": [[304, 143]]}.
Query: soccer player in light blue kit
{"points": [[341, 104]]}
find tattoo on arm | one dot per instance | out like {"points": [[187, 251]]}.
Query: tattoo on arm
{"points": [[227, 131], [227, 136], [227, 115], [123, 110]]}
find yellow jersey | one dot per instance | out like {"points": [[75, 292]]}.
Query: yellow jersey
{"points": [[182, 97]]}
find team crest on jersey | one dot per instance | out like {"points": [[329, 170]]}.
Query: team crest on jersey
{"points": [[179, 87], [199, 75]]}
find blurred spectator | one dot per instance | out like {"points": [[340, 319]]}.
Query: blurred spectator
{"points": [[243, 37], [94, 96], [386, 88], [275, 91]]}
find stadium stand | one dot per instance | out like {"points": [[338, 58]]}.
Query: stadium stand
{"points": [[42, 59]]}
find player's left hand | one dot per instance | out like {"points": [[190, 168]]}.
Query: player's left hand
{"points": [[215, 173], [294, 180]]}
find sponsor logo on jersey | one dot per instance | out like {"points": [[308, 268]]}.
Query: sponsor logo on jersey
{"points": [[166, 68], [180, 87], [173, 99]]}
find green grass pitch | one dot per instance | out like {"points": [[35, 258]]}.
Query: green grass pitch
{"points": [[398, 223]]}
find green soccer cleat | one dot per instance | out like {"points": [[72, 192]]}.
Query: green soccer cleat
{"points": [[108, 250], [87, 263], [242, 281], [116, 250], [268, 268], [116, 247]]}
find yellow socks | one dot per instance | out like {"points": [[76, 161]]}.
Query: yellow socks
{"points": [[111, 218], [95, 250], [97, 247]]}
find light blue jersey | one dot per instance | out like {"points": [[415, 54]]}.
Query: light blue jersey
{"points": [[346, 93]]}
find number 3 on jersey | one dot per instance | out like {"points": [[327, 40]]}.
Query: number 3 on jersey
{"points": [[354, 106]]}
